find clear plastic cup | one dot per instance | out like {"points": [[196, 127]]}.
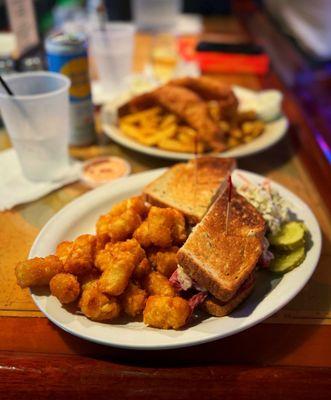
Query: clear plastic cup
{"points": [[37, 120], [112, 52], [156, 15]]}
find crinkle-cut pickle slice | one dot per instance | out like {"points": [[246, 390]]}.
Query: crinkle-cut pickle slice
{"points": [[286, 262], [290, 237]]}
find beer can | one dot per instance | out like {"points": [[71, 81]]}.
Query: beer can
{"points": [[67, 54]]}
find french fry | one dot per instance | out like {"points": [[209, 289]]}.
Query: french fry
{"points": [[248, 139], [176, 145], [167, 120], [151, 122], [247, 127], [141, 115], [236, 133], [184, 138], [186, 135], [188, 131], [135, 132], [156, 127], [129, 130], [258, 128], [147, 131], [233, 142], [166, 133]]}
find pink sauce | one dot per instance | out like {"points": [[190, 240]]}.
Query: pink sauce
{"points": [[105, 169]]}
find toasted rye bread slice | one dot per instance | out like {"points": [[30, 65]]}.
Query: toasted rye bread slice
{"points": [[244, 219], [219, 309], [221, 261], [191, 187]]}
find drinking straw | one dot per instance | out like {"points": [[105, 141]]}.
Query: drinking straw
{"points": [[6, 87], [17, 103]]}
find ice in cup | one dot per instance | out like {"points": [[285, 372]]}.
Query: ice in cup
{"points": [[37, 121], [112, 52]]}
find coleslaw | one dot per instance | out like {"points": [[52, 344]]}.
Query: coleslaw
{"points": [[274, 209]]}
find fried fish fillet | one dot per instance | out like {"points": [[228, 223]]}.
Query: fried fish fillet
{"points": [[188, 106], [210, 89], [187, 100], [138, 103]]}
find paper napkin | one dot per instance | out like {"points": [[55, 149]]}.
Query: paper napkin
{"points": [[16, 189]]}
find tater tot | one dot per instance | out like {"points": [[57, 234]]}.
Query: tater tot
{"points": [[115, 251], [37, 271], [133, 300], [81, 257], [139, 205], [118, 209], [122, 220], [136, 204], [141, 234], [115, 278], [98, 306], [165, 261], [88, 279], [101, 242], [160, 224], [65, 287], [123, 226], [163, 227], [131, 246], [178, 229], [63, 250], [103, 259], [142, 269], [166, 312], [102, 227], [158, 284]]}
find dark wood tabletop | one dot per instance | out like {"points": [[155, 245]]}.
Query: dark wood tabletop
{"points": [[285, 360]]}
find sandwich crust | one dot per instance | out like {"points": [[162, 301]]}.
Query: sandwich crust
{"points": [[220, 309]]}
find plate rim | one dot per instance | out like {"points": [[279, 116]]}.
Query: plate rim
{"points": [[210, 337], [114, 133]]}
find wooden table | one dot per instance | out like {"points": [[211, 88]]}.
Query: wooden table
{"points": [[288, 356]]}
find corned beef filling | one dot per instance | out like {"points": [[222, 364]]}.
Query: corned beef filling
{"points": [[181, 283]]}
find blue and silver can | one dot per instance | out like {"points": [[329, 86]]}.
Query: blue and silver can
{"points": [[67, 54]]}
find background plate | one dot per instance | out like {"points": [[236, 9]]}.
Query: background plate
{"points": [[270, 294], [274, 132]]}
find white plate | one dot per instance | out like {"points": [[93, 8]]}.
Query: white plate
{"points": [[274, 131], [80, 216]]}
